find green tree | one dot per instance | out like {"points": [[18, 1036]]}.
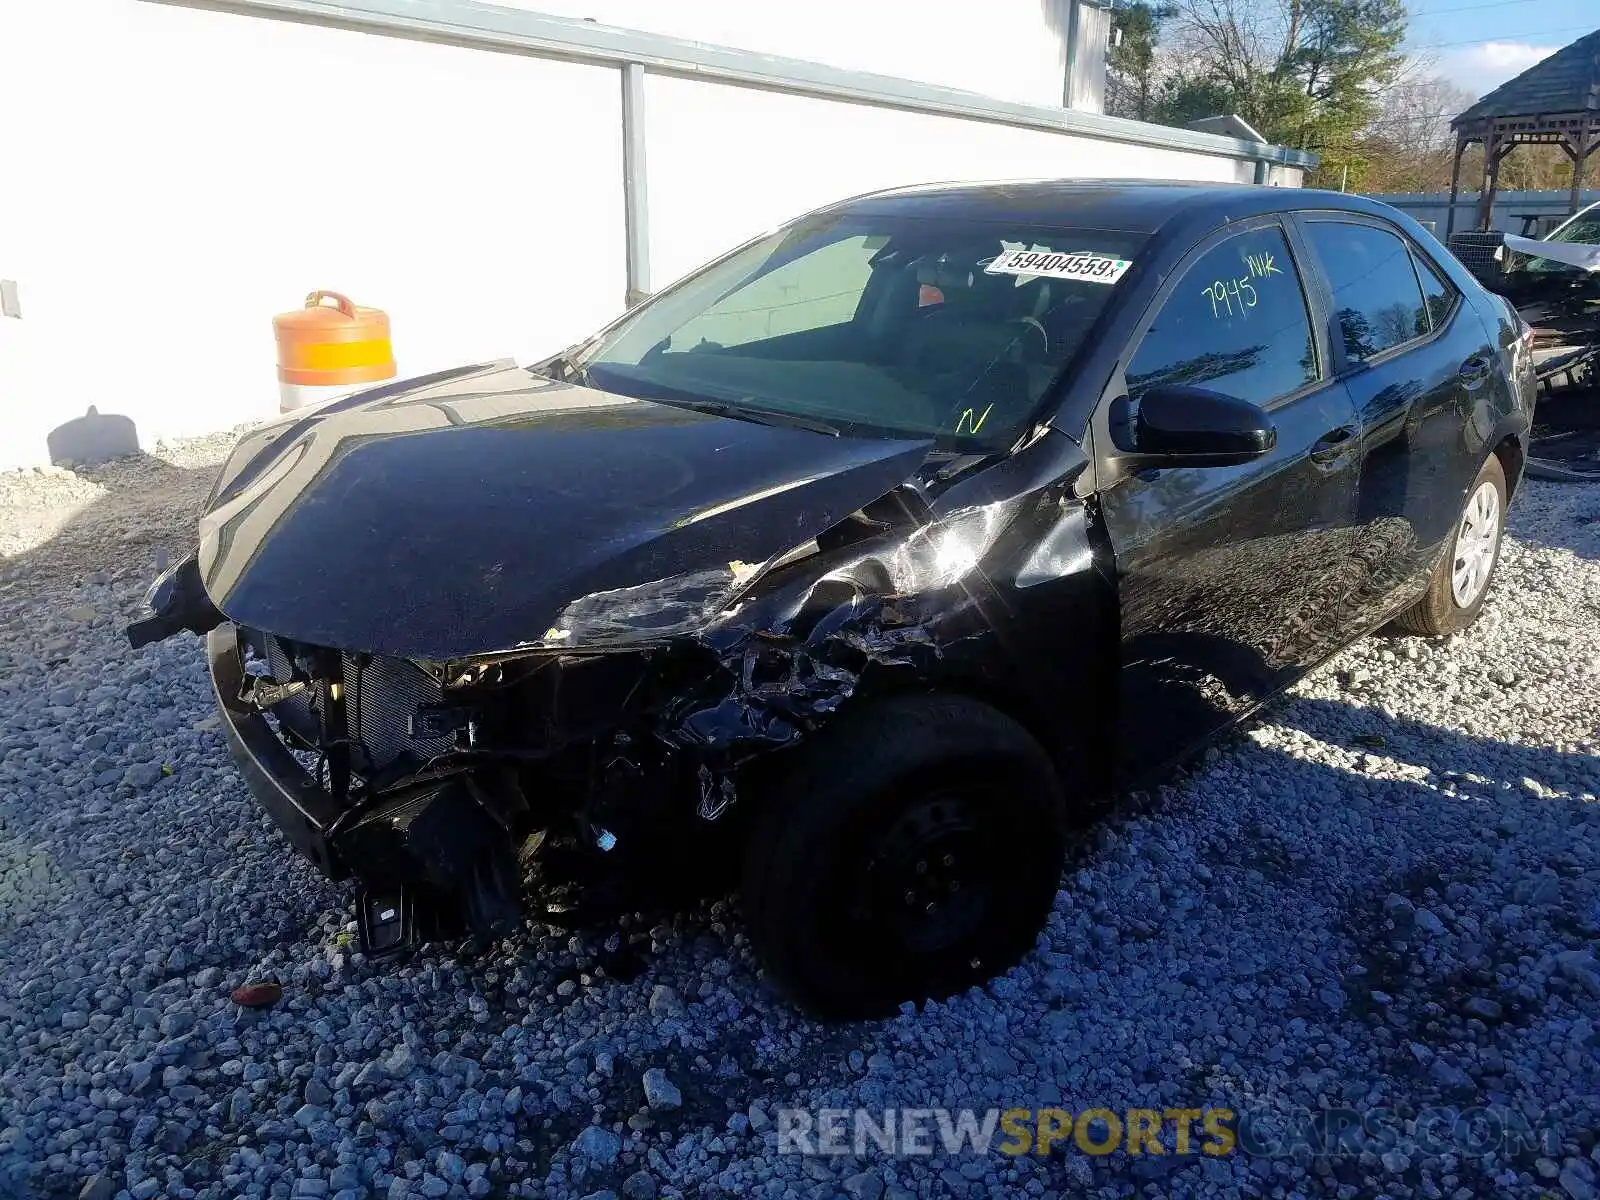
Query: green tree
{"points": [[1306, 73], [1132, 62], [1347, 51]]}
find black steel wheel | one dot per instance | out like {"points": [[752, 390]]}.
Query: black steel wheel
{"points": [[929, 877], [911, 850]]}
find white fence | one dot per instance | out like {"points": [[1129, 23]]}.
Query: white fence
{"points": [[1544, 209], [175, 175]]}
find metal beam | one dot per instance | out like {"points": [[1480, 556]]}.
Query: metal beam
{"points": [[1455, 188], [1494, 153], [515, 31], [635, 194], [1580, 154], [1074, 32]]}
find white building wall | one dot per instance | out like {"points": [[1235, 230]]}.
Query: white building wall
{"points": [[182, 175], [170, 178], [1010, 49], [723, 169]]}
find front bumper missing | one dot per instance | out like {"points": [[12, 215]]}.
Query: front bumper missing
{"points": [[288, 792], [436, 836]]}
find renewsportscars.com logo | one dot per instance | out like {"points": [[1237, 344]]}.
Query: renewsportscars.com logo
{"points": [[1011, 1131], [1211, 1131]]}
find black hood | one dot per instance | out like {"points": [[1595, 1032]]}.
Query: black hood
{"points": [[462, 513]]}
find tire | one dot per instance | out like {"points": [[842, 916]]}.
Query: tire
{"points": [[1441, 610], [836, 904]]}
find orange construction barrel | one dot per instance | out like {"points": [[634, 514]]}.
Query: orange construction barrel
{"points": [[330, 348]]}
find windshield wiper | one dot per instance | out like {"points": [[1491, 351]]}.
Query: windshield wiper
{"points": [[563, 367], [559, 367], [760, 416], [609, 377]]}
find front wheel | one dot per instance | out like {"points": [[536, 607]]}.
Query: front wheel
{"points": [[1460, 582], [912, 849]]}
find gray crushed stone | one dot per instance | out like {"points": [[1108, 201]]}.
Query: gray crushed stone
{"points": [[1385, 892]]}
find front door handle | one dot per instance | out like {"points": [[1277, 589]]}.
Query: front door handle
{"points": [[1476, 369], [1333, 444]]}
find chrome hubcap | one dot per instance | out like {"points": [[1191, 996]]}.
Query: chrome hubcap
{"points": [[1476, 540]]}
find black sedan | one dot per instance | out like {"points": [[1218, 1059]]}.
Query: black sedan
{"points": [[869, 557]]}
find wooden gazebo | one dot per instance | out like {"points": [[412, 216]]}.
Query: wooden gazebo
{"points": [[1553, 103]]}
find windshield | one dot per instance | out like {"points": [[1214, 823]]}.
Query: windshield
{"points": [[875, 325], [1582, 229]]}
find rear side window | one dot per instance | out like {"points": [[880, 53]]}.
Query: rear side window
{"points": [[1438, 292], [1375, 292], [1236, 323]]}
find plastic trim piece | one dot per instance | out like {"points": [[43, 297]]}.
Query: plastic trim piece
{"points": [[279, 784]]}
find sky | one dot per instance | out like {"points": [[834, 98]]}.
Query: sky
{"points": [[1479, 44]]}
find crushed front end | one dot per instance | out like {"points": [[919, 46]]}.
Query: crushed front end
{"points": [[630, 728], [435, 785], [449, 658], [361, 761]]}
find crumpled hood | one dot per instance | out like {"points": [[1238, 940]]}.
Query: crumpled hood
{"points": [[463, 513]]}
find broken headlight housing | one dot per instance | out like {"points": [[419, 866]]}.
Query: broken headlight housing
{"points": [[647, 612], [942, 553], [928, 558]]}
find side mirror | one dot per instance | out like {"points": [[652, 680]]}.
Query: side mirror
{"points": [[1178, 426]]}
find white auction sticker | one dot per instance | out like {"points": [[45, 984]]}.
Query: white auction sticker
{"points": [[1090, 268]]}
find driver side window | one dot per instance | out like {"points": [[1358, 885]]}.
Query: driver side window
{"points": [[1236, 323]]}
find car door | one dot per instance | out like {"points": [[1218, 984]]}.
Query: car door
{"points": [[1416, 360], [1226, 575]]}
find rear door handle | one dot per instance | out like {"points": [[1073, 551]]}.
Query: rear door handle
{"points": [[1476, 369], [1333, 444]]}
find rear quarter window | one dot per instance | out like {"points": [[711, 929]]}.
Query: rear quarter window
{"points": [[1376, 296], [1438, 293]]}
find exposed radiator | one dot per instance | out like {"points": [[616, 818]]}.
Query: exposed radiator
{"points": [[381, 695]]}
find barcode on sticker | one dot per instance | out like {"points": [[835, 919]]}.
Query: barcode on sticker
{"points": [[1091, 268]]}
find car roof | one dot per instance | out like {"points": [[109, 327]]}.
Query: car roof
{"points": [[1133, 205]]}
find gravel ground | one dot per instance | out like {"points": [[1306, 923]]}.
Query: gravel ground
{"points": [[1387, 892]]}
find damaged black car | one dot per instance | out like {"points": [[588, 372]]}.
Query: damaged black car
{"points": [[873, 554]]}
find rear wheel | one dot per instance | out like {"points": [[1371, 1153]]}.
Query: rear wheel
{"points": [[911, 850], [1460, 582]]}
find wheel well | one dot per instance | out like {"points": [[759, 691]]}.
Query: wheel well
{"points": [[1510, 454], [1069, 732]]}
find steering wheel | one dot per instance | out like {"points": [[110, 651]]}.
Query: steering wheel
{"points": [[1033, 323]]}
